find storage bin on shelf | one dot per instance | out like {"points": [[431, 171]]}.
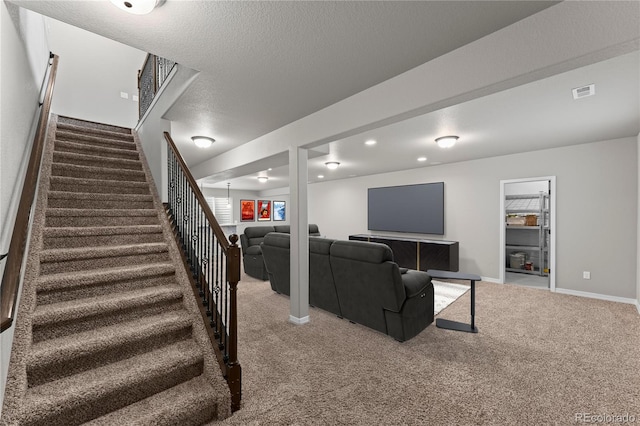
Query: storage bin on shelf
{"points": [[517, 260]]}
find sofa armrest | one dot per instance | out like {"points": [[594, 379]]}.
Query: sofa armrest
{"points": [[244, 243], [415, 282]]}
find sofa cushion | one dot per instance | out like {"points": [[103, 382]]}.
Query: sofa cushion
{"points": [[277, 239], [255, 234], [363, 251], [320, 245], [283, 228], [313, 230]]}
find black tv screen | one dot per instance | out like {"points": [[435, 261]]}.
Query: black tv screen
{"points": [[408, 208]]}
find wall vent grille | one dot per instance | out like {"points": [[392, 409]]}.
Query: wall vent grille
{"points": [[584, 91]]}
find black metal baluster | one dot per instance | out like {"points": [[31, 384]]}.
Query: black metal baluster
{"points": [[191, 225], [217, 291], [201, 279], [179, 203], [226, 312], [210, 306]]}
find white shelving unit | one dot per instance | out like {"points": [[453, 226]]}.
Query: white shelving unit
{"points": [[533, 240]]}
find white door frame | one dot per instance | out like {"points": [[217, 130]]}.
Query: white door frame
{"points": [[552, 224]]}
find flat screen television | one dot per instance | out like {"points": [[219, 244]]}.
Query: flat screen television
{"points": [[415, 208]]}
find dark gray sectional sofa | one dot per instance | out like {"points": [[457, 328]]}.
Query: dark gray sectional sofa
{"points": [[358, 281], [252, 252]]}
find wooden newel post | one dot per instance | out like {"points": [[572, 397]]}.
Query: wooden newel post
{"points": [[234, 371]]}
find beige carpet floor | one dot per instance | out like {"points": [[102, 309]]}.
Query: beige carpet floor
{"points": [[539, 359]]}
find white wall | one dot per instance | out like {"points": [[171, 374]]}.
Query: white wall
{"points": [[238, 195], [23, 60], [93, 71], [596, 210]]}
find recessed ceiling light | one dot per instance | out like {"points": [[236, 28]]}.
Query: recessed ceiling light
{"points": [[447, 141], [262, 179], [202, 141], [320, 176], [136, 7], [269, 169], [332, 165], [370, 142], [422, 158]]}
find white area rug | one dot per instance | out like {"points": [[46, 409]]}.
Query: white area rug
{"points": [[445, 294]]}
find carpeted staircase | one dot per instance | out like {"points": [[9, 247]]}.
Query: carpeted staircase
{"points": [[108, 331]]}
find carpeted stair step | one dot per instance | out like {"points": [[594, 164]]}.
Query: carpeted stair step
{"points": [[84, 200], [85, 259], [56, 217], [188, 404], [92, 236], [82, 397], [105, 152], [76, 316], [54, 359], [92, 172], [68, 123], [95, 161], [96, 140], [111, 132], [100, 186], [63, 287]]}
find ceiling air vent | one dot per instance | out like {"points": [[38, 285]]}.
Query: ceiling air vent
{"points": [[584, 91]]}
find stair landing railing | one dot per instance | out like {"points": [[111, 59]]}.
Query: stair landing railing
{"points": [[151, 77], [12, 272], [213, 262]]}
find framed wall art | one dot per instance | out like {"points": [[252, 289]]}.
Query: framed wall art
{"points": [[279, 210], [264, 210], [247, 210]]}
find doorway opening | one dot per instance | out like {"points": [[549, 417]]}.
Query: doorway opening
{"points": [[527, 232]]}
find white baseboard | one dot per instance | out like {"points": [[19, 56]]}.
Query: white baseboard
{"points": [[491, 280], [638, 305], [298, 321], [627, 300]]}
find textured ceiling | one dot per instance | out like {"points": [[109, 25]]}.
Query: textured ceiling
{"points": [[266, 64]]}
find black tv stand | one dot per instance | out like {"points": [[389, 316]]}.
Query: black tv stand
{"points": [[417, 253]]}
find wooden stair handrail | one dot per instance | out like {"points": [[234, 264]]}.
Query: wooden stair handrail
{"points": [[11, 278], [222, 238]]}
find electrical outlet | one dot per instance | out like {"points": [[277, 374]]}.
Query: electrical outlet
{"points": [[124, 95], [134, 98], [586, 275]]}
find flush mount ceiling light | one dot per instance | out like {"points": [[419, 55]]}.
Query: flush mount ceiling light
{"points": [[446, 141], [202, 141], [136, 7], [262, 179], [332, 165]]}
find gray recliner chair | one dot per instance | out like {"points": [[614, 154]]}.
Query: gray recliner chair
{"points": [[252, 252], [373, 292]]}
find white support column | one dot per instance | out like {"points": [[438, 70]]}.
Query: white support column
{"points": [[299, 297]]}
